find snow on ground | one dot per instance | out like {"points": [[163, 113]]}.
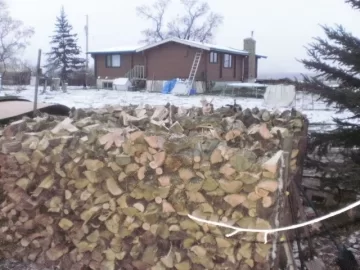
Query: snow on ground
{"points": [[316, 111]]}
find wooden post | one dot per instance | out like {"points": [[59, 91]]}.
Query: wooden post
{"points": [[287, 146], [284, 256], [37, 82], [152, 83], [87, 51], [298, 177]]}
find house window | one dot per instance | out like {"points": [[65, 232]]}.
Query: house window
{"points": [[213, 57], [113, 60], [107, 85], [227, 61]]}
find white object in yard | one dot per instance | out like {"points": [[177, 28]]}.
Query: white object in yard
{"points": [[55, 84], [180, 89], [121, 84], [154, 85], [32, 80], [99, 83], [64, 87], [242, 85], [199, 87], [280, 95], [246, 84]]}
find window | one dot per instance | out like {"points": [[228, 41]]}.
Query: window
{"points": [[113, 60], [227, 61], [107, 85], [213, 57]]}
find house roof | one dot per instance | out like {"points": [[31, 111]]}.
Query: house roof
{"points": [[122, 49], [195, 44], [191, 43], [200, 45]]}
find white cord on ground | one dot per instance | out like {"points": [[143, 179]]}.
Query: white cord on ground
{"points": [[267, 231]]}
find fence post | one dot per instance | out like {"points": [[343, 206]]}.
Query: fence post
{"points": [[37, 82]]}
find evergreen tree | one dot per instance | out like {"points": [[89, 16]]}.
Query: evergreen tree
{"points": [[337, 57], [64, 56]]}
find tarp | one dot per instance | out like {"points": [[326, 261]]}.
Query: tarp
{"points": [[169, 86], [11, 108], [280, 95], [177, 87], [180, 89]]}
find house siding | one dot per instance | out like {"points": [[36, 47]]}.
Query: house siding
{"points": [[172, 60], [128, 61], [256, 67], [246, 68], [240, 67], [217, 72], [138, 59]]}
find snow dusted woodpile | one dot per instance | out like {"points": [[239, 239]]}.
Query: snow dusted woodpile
{"points": [[111, 188]]}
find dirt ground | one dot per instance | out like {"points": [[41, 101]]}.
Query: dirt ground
{"points": [[347, 234]]}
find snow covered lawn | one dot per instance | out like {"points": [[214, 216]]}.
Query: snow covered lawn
{"points": [[316, 111]]}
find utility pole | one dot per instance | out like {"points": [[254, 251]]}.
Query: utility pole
{"points": [[87, 49]]}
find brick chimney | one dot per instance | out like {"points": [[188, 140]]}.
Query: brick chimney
{"points": [[250, 46]]}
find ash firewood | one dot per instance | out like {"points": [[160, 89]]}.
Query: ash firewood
{"points": [[16, 265], [111, 188]]}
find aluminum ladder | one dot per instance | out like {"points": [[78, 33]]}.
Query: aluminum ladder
{"points": [[193, 71]]}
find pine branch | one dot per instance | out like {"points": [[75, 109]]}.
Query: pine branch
{"points": [[339, 60], [336, 57], [341, 137], [343, 50], [344, 98], [354, 3]]}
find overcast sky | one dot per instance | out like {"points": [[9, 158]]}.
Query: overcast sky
{"points": [[281, 27]]}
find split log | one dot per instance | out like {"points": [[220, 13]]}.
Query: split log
{"points": [[111, 189]]}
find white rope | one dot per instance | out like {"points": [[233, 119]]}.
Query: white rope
{"points": [[267, 231]]}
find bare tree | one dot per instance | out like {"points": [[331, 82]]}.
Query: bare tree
{"points": [[155, 14], [2, 5], [197, 23], [23, 65], [14, 37], [19, 74]]}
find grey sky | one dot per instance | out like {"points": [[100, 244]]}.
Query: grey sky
{"points": [[281, 27]]}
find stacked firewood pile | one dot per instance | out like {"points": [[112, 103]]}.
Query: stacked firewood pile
{"points": [[112, 188]]}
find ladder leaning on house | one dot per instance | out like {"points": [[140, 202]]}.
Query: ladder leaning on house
{"points": [[193, 71]]}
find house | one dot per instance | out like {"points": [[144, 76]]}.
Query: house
{"points": [[173, 58]]}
